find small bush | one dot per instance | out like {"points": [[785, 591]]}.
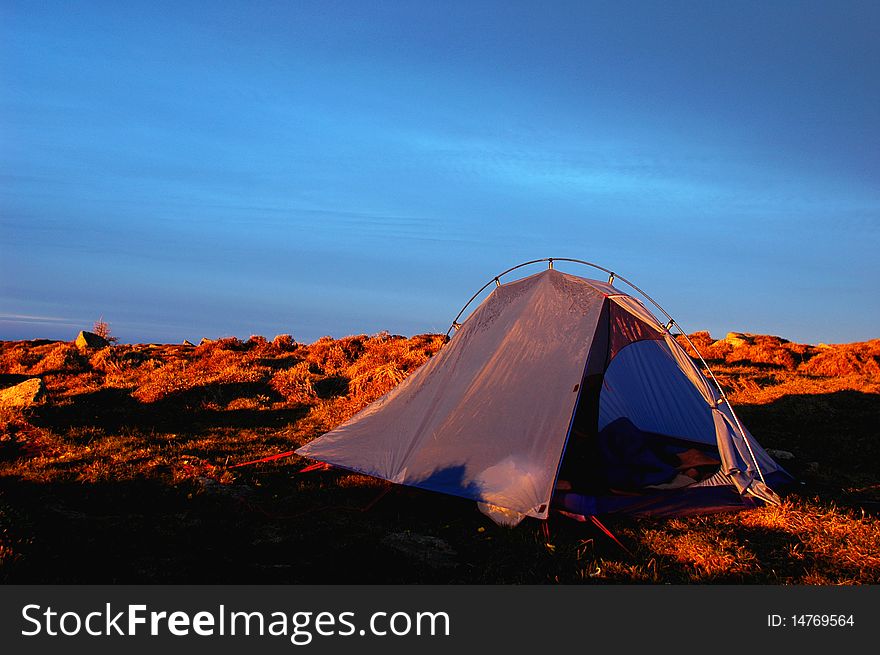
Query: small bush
{"points": [[284, 343], [18, 358], [296, 384], [102, 329], [386, 361], [255, 341], [159, 383], [61, 357], [225, 343], [850, 359]]}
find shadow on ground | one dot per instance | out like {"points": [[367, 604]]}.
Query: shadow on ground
{"points": [[187, 411], [273, 525]]}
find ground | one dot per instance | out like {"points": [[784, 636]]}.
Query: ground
{"points": [[121, 473]]}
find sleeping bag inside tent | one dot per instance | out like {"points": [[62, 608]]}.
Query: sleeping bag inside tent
{"points": [[560, 392]]}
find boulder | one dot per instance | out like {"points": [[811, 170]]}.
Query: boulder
{"points": [[187, 342], [91, 340], [737, 339], [24, 394], [205, 341], [780, 454]]}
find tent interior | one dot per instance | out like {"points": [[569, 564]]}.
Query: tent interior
{"points": [[642, 437]]}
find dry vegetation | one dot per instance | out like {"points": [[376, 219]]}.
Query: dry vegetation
{"points": [[121, 474]]}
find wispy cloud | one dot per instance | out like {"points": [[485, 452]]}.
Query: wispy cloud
{"points": [[580, 166], [595, 166], [39, 320]]}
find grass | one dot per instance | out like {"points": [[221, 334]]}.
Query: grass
{"points": [[123, 475]]}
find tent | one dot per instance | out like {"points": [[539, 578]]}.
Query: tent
{"points": [[560, 392]]}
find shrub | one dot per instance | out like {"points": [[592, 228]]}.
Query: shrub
{"points": [[386, 361], [256, 341], [296, 384], [224, 343], [161, 382], [215, 366], [102, 329], [849, 359], [284, 343], [18, 358], [61, 357]]}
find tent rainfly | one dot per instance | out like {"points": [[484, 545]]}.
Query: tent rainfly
{"points": [[560, 392]]}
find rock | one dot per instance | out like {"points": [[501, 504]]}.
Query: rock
{"points": [[737, 339], [24, 394], [91, 340], [812, 467], [205, 340], [187, 342], [780, 454], [425, 549]]}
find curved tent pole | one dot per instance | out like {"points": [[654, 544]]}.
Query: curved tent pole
{"points": [[612, 276], [497, 281], [672, 322]]}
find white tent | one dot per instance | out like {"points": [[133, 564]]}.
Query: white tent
{"points": [[559, 391]]}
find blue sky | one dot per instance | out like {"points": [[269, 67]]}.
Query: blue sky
{"points": [[189, 169]]}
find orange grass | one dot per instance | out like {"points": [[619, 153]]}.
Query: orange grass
{"points": [[121, 474]]}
